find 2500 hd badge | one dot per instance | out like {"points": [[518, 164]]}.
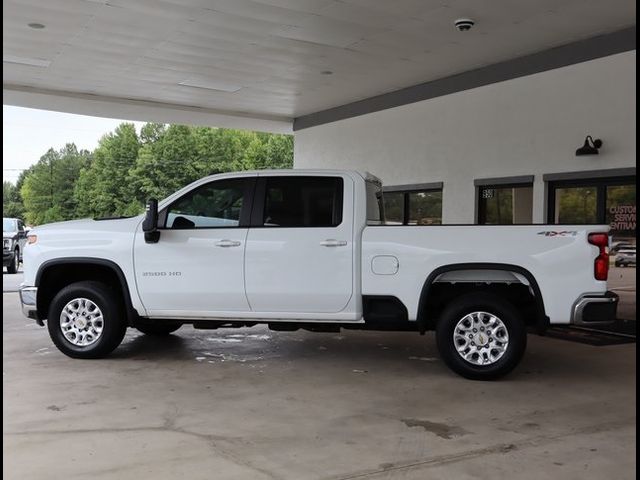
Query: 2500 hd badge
{"points": [[161, 274]]}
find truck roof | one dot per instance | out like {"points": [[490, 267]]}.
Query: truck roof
{"points": [[297, 171]]}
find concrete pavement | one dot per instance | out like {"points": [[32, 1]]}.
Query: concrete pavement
{"points": [[255, 404], [622, 280], [11, 282]]}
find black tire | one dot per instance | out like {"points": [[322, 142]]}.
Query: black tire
{"points": [[159, 328], [114, 319], [481, 302], [15, 262]]}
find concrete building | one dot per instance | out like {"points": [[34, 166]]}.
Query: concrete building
{"points": [[522, 131]]}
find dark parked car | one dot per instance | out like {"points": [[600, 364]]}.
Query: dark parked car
{"points": [[626, 257], [14, 237]]}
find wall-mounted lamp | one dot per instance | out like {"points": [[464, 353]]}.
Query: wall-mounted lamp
{"points": [[590, 147]]}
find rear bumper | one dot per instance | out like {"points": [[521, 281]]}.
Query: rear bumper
{"points": [[28, 300], [595, 309]]}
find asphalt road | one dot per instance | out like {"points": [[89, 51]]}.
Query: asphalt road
{"points": [[254, 404]]}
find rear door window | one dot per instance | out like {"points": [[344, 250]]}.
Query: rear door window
{"points": [[296, 202]]}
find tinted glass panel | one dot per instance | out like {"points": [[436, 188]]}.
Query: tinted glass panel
{"points": [[303, 202], [425, 208], [394, 208], [505, 205], [217, 204], [621, 210], [577, 205]]}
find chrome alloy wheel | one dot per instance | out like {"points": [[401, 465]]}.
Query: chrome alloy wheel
{"points": [[81, 322], [481, 338]]}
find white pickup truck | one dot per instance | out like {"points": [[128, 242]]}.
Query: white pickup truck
{"points": [[310, 249]]}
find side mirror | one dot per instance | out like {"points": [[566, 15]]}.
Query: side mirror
{"points": [[150, 222]]}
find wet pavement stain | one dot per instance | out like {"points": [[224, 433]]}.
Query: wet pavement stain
{"points": [[56, 408], [442, 430]]}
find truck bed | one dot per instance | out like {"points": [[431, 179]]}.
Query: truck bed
{"points": [[553, 253]]}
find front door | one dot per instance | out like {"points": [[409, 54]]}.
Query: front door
{"points": [[299, 256], [197, 267]]}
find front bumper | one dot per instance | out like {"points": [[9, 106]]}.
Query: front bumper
{"points": [[595, 309], [28, 300]]}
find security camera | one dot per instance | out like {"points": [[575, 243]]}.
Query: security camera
{"points": [[464, 24]]}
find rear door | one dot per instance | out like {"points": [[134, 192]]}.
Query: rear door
{"points": [[299, 254]]}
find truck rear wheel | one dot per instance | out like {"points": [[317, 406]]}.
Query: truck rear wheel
{"points": [[86, 320], [481, 336], [159, 328]]}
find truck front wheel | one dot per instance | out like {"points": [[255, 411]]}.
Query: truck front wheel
{"points": [[481, 336], [86, 320]]}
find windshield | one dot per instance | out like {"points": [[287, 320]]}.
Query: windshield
{"points": [[8, 225]]}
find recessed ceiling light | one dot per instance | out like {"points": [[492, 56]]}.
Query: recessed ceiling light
{"points": [[37, 26], [32, 62], [326, 72], [210, 85]]}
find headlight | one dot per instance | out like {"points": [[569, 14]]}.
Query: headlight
{"points": [[6, 244], [31, 239]]}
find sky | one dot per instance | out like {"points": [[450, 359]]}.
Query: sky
{"points": [[28, 133]]}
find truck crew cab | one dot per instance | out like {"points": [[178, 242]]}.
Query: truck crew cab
{"points": [[311, 249]]}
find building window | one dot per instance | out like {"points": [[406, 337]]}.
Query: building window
{"points": [[505, 204], [394, 207], [425, 208], [598, 201], [575, 205], [413, 206]]}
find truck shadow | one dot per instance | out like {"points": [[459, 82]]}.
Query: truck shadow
{"points": [[362, 353]]}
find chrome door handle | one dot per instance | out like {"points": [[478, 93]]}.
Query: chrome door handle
{"points": [[227, 243], [333, 243]]}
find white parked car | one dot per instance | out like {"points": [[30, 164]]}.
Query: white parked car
{"points": [[14, 237], [310, 249]]}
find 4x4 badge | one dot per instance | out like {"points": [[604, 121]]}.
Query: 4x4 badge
{"points": [[562, 233]]}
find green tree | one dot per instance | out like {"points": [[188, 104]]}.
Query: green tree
{"points": [[104, 188], [165, 164], [11, 201], [47, 189], [126, 169]]}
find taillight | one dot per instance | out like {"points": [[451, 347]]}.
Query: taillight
{"points": [[601, 264]]}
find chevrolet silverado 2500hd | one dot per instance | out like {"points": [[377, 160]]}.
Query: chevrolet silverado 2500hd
{"points": [[310, 249]]}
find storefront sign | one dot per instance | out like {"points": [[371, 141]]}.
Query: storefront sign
{"points": [[623, 217]]}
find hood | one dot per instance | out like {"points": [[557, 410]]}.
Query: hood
{"points": [[89, 224], [9, 234]]}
